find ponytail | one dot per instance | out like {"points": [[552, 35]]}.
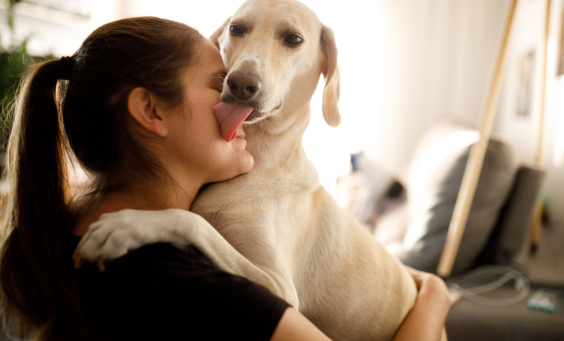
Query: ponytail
{"points": [[35, 220]]}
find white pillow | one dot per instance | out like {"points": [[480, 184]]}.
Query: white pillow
{"points": [[432, 183]]}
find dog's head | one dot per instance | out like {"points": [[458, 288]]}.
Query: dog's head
{"points": [[275, 51]]}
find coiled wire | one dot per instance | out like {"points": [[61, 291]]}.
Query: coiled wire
{"points": [[522, 285]]}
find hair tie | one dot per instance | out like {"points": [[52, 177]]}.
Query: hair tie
{"points": [[67, 64]]}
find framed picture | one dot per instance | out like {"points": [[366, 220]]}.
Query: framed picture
{"points": [[560, 70], [526, 78]]}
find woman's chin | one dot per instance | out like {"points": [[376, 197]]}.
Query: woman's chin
{"points": [[246, 162]]}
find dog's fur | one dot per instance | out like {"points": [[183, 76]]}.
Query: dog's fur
{"points": [[285, 231], [278, 215]]}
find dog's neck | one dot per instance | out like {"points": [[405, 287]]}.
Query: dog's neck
{"points": [[277, 140]]}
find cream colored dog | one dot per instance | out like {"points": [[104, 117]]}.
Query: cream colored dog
{"points": [[277, 225]]}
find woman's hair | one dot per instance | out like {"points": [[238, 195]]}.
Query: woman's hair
{"points": [[89, 122]]}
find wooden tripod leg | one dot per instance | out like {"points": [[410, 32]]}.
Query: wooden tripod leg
{"points": [[536, 227], [475, 160], [537, 218]]}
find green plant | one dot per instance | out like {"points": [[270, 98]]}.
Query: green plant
{"points": [[13, 59]]}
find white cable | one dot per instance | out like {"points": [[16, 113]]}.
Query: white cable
{"points": [[507, 274]]}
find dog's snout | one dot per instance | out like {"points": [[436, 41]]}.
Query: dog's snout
{"points": [[243, 86]]}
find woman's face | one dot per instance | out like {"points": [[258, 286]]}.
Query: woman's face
{"points": [[194, 141]]}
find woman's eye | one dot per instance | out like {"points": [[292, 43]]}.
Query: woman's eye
{"points": [[235, 30], [293, 39]]}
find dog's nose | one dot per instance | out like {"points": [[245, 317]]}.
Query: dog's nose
{"points": [[243, 85]]}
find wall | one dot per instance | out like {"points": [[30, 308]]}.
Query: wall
{"points": [[523, 132], [440, 55], [439, 58]]}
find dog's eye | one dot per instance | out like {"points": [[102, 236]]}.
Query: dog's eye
{"points": [[235, 30], [293, 39]]}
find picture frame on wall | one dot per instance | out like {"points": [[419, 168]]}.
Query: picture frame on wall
{"points": [[525, 86], [560, 69]]}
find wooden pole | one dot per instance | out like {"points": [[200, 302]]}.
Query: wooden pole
{"points": [[475, 160], [537, 218]]}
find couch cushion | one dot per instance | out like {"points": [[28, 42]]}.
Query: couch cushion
{"points": [[433, 181], [515, 218]]}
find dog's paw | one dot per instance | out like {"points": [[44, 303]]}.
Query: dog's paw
{"points": [[116, 234]]}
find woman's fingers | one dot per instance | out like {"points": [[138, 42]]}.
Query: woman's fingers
{"points": [[100, 264], [430, 285], [418, 276], [77, 260]]}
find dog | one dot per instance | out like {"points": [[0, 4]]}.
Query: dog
{"points": [[277, 225]]}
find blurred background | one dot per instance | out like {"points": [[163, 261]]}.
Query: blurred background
{"points": [[406, 66]]}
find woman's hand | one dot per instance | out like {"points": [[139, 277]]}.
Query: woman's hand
{"points": [[425, 321], [430, 284]]}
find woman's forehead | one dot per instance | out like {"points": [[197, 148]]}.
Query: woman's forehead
{"points": [[209, 62]]}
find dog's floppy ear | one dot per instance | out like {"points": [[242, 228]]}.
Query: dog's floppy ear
{"points": [[332, 75], [218, 36]]}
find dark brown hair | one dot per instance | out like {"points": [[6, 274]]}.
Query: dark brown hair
{"points": [[88, 122]]}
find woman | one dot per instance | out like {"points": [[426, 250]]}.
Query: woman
{"points": [[137, 115]]}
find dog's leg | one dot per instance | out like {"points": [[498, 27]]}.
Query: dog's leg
{"points": [[115, 234], [263, 247]]}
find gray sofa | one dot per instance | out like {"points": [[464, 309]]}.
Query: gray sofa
{"points": [[412, 224]]}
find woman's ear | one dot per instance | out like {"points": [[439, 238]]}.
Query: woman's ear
{"points": [[142, 106]]}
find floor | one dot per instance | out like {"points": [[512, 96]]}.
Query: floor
{"points": [[546, 266], [545, 269]]}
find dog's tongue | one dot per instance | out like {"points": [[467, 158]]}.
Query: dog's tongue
{"points": [[230, 116]]}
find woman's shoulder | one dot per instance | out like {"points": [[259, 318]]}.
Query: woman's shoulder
{"points": [[159, 257], [154, 262], [180, 291]]}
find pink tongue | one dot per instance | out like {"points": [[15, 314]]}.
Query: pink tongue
{"points": [[230, 116]]}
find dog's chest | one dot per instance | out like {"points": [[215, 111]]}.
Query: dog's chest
{"points": [[255, 220]]}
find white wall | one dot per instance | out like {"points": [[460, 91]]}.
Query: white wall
{"points": [[439, 56], [527, 35]]}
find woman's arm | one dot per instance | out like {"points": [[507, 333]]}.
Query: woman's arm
{"points": [[426, 320], [294, 326]]}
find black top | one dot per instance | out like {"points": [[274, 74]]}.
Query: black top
{"points": [[162, 293]]}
